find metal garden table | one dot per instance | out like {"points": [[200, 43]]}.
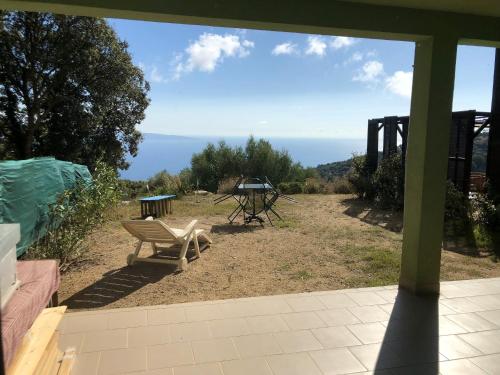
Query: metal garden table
{"points": [[157, 206], [254, 197]]}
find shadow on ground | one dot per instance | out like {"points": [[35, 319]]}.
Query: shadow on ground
{"points": [[234, 228], [365, 212], [117, 284], [411, 341]]}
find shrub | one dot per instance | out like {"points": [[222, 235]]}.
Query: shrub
{"points": [[456, 205], [388, 183], [484, 211], [226, 186], [132, 189], [341, 185], [359, 178], [75, 214], [291, 188], [165, 183], [314, 186]]}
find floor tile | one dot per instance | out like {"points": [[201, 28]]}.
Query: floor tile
{"points": [[305, 304], [367, 298], [447, 327], [203, 369], [237, 309], [86, 364], [104, 340], [335, 337], [214, 350], [336, 361], [122, 360], [473, 322], [293, 364], [170, 355], [271, 306], [250, 366], [461, 305], [166, 316], [266, 324], [492, 316], [297, 341], [203, 312], [488, 342], [459, 367], [256, 345], [488, 363], [337, 301], [189, 331], [489, 302], [71, 340], [376, 356], [303, 320], [337, 317], [368, 333], [452, 347], [369, 314], [229, 327], [73, 323], [127, 319], [147, 336]]}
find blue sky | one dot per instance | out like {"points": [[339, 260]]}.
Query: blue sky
{"points": [[233, 82]]}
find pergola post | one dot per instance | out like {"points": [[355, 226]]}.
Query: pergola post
{"points": [[493, 164], [427, 159]]}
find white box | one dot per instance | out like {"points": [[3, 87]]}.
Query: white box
{"points": [[9, 237]]}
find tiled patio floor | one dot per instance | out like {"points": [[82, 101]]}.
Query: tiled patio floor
{"points": [[337, 332]]}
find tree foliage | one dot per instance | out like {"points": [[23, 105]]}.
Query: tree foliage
{"points": [[258, 159], [69, 89]]}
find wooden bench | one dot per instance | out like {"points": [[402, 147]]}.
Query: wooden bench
{"points": [[39, 353]]}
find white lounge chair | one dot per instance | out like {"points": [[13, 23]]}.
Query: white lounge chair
{"points": [[157, 232]]}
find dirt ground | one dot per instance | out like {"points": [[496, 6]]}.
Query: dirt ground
{"points": [[325, 242]]}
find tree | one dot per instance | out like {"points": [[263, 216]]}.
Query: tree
{"points": [[69, 89], [257, 159]]}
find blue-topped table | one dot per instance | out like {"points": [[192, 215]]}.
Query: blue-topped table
{"points": [[157, 206]]}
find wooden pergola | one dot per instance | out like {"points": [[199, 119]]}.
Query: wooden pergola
{"points": [[436, 27]]}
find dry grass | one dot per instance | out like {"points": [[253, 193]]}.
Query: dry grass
{"points": [[325, 242]]}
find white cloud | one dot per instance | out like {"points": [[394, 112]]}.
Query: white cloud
{"points": [[370, 72], [316, 46], [155, 75], [354, 58], [263, 122], [338, 42], [287, 48], [400, 83], [209, 51]]}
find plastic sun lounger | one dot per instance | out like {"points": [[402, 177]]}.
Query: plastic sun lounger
{"points": [[157, 232]]}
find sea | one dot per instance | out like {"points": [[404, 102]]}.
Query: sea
{"points": [[172, 153]]}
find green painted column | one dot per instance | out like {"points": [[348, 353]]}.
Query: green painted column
{"points": [[427, 161]]}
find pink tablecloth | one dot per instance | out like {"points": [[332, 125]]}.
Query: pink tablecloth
{"points": [[39, 281]]}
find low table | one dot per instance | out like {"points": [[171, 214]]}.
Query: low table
{"points": [[157, 206]]}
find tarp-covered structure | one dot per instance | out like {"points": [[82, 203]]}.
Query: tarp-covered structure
{"points": [[29, 187]]}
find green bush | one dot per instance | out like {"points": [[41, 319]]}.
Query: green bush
{"points": [[314, 186], [456, 206], [388, 183], [76, 213], [291, 187], [484, 211], [257, 159], [341, 185], [164, 183], [360, 179]]}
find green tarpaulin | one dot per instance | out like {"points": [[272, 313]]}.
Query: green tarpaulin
{"points": [[29, 187]]}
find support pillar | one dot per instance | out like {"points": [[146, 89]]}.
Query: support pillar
{"points": [[427, 160], [493, 164], [372, 147]]}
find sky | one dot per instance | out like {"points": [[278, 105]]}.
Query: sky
{"points": [[211, 81]]}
